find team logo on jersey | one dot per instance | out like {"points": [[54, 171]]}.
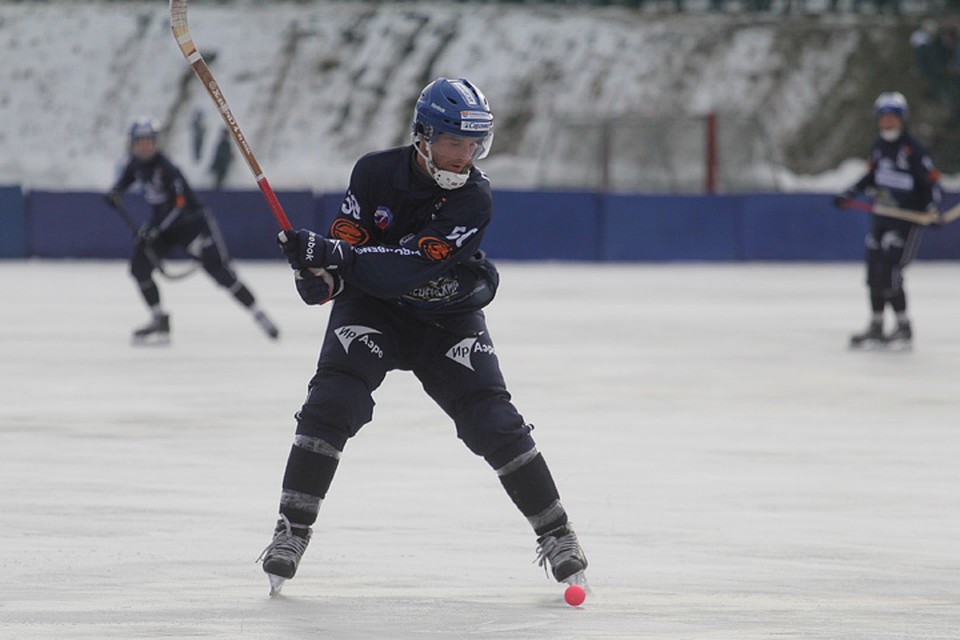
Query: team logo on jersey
{"points": [[462, 352], [350, 206], [382, 217], [435, 291], [349, 231], [348, 334], [435, 248]]}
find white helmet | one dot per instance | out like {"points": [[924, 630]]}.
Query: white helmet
{"points": [[891, 102]]}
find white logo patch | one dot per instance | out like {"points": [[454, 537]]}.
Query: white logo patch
{"points": [[465, 93], [363, 335], [461, 352]]}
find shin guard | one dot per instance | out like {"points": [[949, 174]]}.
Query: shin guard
{"points": [[530, 485], [309, 473]]}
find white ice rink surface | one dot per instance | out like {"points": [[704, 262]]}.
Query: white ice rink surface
{"points": [[733, 471]]}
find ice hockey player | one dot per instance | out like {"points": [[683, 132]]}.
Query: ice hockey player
{"points": [[900, 174], [178, 219], [403, 264]]}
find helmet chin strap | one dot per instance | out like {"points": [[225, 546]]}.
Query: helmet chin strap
{"points": [[446, 179]]}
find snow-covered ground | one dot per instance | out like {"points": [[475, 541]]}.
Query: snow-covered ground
{"points": [[314, 85], [733, 470]]}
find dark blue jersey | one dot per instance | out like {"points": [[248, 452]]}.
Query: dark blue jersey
{"points": [[902, 174], [415, 244], [164, 188]]}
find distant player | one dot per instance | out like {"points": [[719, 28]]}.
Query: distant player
{"points": [[404, 265], [178, 219], [902, 175]]}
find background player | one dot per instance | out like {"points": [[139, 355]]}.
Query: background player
{"points": [[901, 174], [178, 219], [403, 261]]}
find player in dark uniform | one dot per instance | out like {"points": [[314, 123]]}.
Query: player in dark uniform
{"points": [[902, 175], [178, 219], [404, 264]]}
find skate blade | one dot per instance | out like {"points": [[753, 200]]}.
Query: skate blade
{"points": [[899, 345], [276, 584], [579, 578], [152, 340], [882, 345], [869, 345]]}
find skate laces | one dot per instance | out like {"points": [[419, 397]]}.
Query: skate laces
{"points": [[557, 547], [286, 544]]}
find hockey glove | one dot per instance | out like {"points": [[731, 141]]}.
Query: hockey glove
{"points": [[305, 249], [146, 234], [842, 201], [317, 286], [114, 199]]}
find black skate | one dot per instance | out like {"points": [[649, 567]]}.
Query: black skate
{"points": [[561, 550], [268, 327], [871, 338], [157, 331], [282, 556], [900, 338]]}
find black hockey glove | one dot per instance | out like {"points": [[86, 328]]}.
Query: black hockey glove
{"points": [[114, 199], [305, 249], [317, 286], [146, 234], [842, 201]]}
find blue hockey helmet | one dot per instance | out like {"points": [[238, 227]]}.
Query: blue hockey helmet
{"points": [[890, 102], [455, 107], [144, 128]]}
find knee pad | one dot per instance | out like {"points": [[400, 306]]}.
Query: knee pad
{"points": [[487, 422], [220, 273], [337, 405], [140, 267]]}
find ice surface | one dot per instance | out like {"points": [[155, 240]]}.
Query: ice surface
{"points": [[733, 471]]}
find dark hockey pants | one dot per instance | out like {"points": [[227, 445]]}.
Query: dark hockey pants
{"points": [[365, 339], [889, 251], [201, 240]]}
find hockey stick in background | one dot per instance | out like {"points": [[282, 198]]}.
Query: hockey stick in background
{"points": [[148, 250], [924, 218], [181, 31]]}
